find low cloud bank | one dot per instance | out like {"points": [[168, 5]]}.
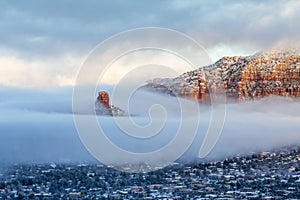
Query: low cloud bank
{"points": [[36, 126]]}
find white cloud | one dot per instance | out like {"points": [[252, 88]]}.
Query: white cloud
{"points": [[220, 50], [49, 41], [49, 72], [164, 64], [290, 9]]}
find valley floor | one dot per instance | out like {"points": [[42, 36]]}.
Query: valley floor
{"points": [[266, 175]]}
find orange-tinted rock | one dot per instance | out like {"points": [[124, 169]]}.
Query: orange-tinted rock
{"points": [[103, 107], [103, 98], [283, 79], [240, 78]]}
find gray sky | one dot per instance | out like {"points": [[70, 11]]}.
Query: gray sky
{"points": [[43, 43]]}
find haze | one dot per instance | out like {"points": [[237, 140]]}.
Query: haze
{"points": [[37, 126]]}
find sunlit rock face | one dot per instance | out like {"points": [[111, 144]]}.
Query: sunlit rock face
{"points": [[239, 78], [103, 98], [103, 107]]}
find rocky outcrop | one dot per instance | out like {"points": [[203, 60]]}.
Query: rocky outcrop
{"points": [[240, 78], [103, 98], [103, 107]]}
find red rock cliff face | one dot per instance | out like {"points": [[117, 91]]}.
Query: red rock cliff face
{"points": [[103, 107], [240, 78], [263, 77], [103, 98]]}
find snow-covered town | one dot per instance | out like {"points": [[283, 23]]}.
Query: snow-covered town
{"points": [[265, 175]]}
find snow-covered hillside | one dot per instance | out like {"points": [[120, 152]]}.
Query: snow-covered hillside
{"points": [[262, 74]]}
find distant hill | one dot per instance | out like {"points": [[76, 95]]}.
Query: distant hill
{"points": [[239, 77]]}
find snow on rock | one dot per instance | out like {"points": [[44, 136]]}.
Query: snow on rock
{"points": [[249, 77], [102, 106]]}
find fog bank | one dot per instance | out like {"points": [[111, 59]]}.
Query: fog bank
{"points": [[36, 126]]}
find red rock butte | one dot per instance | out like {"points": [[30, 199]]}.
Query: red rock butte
{"points": [[103, 98], [240, 78]]}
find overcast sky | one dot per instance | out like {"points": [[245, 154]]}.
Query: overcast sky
{"points": [[43, 43]]}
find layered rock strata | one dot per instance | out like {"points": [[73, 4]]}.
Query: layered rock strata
{"points": [[239, 78]]}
